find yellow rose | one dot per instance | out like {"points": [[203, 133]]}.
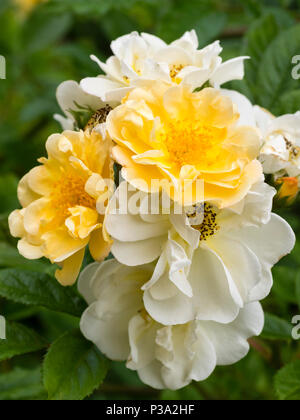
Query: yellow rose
{"points": [[169, 133], [60, 199]]}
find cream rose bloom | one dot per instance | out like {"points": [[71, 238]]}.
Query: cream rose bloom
{"points": [[280, 154], [209, 263], [59, 199], [147, 57], [187, 143], [164, 356]]}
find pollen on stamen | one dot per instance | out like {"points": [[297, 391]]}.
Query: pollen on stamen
{"points": [[99, 117], [209, 226], [174, 70]]}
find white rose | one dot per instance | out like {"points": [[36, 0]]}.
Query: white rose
{"points": [[147, 57], [207, 269], [164, 356], [280, 153]]}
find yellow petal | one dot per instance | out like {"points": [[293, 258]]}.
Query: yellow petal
{"points": [[99, 247], [16, 223], [70, 269], [29, 251]]}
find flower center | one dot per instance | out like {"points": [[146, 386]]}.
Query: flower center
{"points": [[208, 226], [294, 150], [69, 192], [190, 142], [174, 70], [99, 117]]}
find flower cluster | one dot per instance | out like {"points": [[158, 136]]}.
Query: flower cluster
{"points": [[190, 226]]}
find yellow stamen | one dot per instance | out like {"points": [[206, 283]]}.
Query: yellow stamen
{"points": [[69, 192], [174, 70], [189, 142]]}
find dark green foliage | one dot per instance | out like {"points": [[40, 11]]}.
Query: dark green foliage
{"points": [[45, 356]]}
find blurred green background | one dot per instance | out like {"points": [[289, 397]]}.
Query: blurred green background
{"points": [[52, 43]]}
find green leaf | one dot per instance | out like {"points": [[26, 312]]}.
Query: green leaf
{"points": [[284, 283], [5, 235], [18, 312], [275, 71], [288, 103], [188, 393], [287, 382], [21, 384], [192, 15], [257, 40], [8, 193], [39, 289], [19, 340], [10, 257], [81, 7], [54, 324], [276, 328], [298, 289], [44, 29], [91, 7], [73, 368]]}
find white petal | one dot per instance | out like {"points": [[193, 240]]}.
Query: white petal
{"points": [[153, 71], [129, 48], [196, 78], [212, 294], [245, 108], [243, 265], [186, 354], [69, 94], [173, 55], [142, 335], [213, 288], [109, 334], [120, 44], [189, 40], [254, 210], [66, 123], [104, 88], [111, 68], [190, 235], [129, 228], [263, 119], [118, 290], [151, 375], [179, 264], [196, 362], [167, 305], [230, 341], [153, 41], [159, 271], [230, 70], [138, 253], [270, 243], [85, 282], [209, 55], [289, 123]]}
